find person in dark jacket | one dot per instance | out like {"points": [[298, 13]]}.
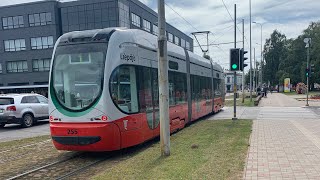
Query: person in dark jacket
{"points": [[265, 90], [258, 91]]}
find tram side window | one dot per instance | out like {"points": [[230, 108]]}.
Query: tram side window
{"points": [[124, 89], [145, 90], [180, 81], [209, 90], [155, 87], [202, 88], [195, 82], [171, 88], [217, 88]]}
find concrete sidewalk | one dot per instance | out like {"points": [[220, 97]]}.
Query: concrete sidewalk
{"points": [[285, 141]]}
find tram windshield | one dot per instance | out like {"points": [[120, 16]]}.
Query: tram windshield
{"points": [[77, 75]]}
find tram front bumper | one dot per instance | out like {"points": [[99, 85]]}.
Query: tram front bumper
{"points": [[85, 136]]}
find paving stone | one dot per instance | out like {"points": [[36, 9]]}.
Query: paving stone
{"points": [[285, 140]]}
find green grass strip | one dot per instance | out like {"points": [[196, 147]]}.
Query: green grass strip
{"points": [[208, 149]]}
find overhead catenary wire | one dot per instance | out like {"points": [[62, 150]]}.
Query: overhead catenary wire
{"points": [[213, 34], [217, 44], [233, 20], [182, 17]]}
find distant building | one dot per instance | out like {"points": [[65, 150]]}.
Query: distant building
{"points": [[229, 79], [28, 33]]}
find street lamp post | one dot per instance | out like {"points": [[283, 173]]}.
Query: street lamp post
{"points": [[308, 43], [261, 49]]}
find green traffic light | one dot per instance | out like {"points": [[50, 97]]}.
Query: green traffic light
{"points": [[234, 66]]}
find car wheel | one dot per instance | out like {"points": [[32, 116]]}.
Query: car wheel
{"points": [[2, 125], [27, 120]]}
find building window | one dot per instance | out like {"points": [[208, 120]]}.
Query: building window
{"points": [[188, 45], [176, 40], [17, 66], [0, 68], [124, 15], [183, 43], [42, 42], [170, 37], [41, 64], [15, 45], [228, 79], [12, 22], [146, 25], [40, 19], [135, 19], [155, 30]]}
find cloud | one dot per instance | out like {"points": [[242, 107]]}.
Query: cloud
{"points": [[290, 17]]}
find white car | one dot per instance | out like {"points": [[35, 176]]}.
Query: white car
{"points": [[24, 109]]}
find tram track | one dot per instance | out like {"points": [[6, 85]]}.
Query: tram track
{"points": [[21, 151], [25, 146], [64, 168]]}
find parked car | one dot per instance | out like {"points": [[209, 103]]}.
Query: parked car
{"points": [[24, 109]]}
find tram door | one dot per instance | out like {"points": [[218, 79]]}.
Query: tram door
{"points": [[149, 97]]}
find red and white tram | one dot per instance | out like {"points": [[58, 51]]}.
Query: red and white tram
{"points": [[103, 89]]}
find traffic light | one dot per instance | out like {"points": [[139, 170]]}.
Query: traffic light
{"points": [[235, 59], [312, 69], [242, 59], [307, 72]]}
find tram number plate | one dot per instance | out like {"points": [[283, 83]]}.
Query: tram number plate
{"points": [[72, 131]]}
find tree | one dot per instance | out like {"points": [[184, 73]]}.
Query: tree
{"points": [[274, 49], [287, 58]]}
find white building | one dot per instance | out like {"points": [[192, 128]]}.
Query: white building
{"points": [[229, 79]]}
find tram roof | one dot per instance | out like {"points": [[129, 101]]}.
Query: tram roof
{"points": [[140, 37]]}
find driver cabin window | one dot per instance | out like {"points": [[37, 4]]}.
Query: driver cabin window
{"points": [[124, 89]]}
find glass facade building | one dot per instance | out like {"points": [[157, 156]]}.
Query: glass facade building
{"points": [[28, 32]]}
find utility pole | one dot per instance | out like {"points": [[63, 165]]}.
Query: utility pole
{"points": [[243, 93], [235, 73], [308, 78], [250, 54], [254, 70], [261, 65], [163, 82]]}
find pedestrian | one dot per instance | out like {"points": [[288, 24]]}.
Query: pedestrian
{"points": [[265, 90], [259, 90]]}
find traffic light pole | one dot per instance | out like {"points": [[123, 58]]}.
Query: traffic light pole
{"points": [[250, 70], [254, 70], [243, 93], [235, 73]]}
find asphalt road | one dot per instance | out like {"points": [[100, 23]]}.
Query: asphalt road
{"points": [[12, 131]]}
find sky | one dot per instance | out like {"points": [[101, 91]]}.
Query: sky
{"points": [[290, 17]]}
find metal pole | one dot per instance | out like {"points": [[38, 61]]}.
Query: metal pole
{"points": [[261, 65], [235, 73], [308, 57], [243, 93], [250, 54], [208, 43], [254, 69], [163, 82]]}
